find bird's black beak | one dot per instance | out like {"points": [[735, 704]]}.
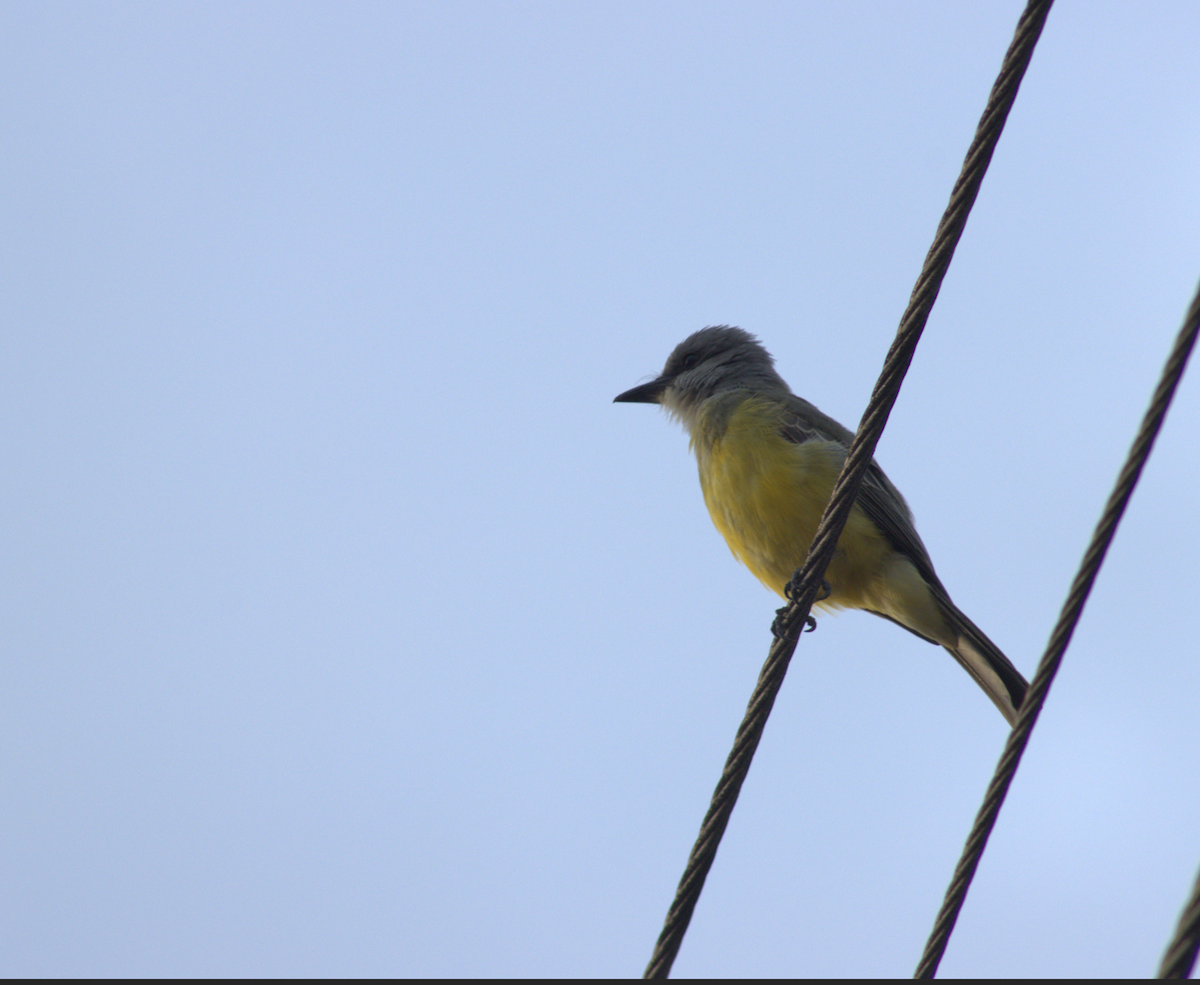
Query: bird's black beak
{"points": [[647, 393]]}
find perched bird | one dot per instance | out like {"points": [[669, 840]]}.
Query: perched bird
{"points": [[768, 461]]}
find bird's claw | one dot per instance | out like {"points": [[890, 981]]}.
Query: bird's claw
{"points": [[789, 592], [793, 586], [779, 629]]}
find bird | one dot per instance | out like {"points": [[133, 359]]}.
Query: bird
{"points": [[768, 460]]}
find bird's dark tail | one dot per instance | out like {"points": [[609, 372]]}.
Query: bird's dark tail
{"points": [[982, 659]]}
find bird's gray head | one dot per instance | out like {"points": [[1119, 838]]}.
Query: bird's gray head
{"points": [[712, 361]]}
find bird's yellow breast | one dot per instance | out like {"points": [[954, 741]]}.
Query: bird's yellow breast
{"points": [[766, 495]]}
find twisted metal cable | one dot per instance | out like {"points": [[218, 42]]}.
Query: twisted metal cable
{"points": [[1072, 609], [1181, 952], [808, 581]]}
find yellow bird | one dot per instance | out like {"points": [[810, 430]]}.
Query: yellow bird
{"points": [[768, 461]]}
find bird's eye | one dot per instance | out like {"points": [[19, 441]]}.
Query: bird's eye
{"points": [[690, 360]]}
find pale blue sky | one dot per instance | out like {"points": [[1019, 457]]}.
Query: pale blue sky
{"points": [[349, 628]]}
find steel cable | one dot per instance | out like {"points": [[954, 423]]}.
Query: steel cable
{"points": [[808, 581], [1181, 952], [1048, 667]]}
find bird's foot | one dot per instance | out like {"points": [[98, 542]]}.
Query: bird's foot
{"points": [[789, 591], [778, 627], [793, 586]]}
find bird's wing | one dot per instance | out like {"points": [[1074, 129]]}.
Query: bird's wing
{"points": [[877, 497], [885, 507], [803, 422]]}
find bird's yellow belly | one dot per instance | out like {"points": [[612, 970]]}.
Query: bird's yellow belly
{"points": [[766, 496]]}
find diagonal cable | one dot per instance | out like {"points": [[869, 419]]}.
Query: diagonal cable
{"points": [[808, 580], [1072, 609], [1181, 952]]}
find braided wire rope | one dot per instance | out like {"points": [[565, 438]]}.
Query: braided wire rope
{"points": [[1181, 952], [1072, 609], [806, 584]]}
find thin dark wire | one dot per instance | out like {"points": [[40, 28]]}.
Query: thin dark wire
{"points": [[1181, 953], [1048, 667], [808, 582]]}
